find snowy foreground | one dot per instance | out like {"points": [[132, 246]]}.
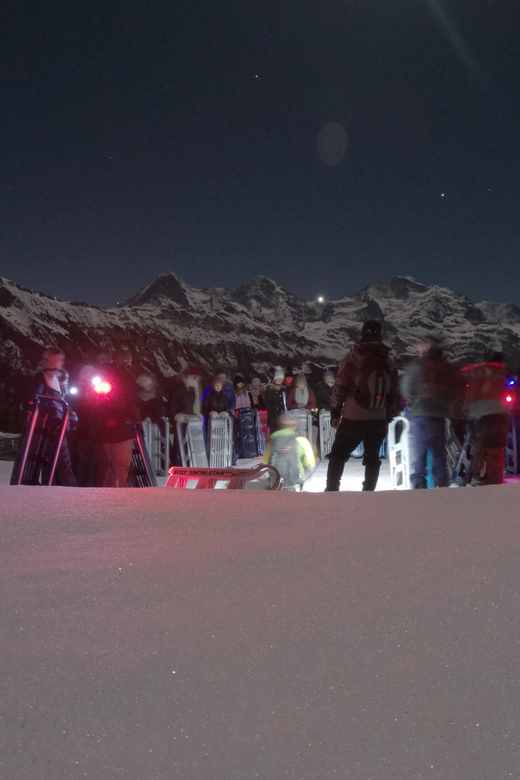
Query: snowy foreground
{"points": [[158, 634]]}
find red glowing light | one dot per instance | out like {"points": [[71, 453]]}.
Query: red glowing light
{"points": [[103, 388], [509, 399]]}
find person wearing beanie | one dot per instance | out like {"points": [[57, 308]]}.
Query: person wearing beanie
{"points": [[324, 391], [292, 455], [257, 394], [275, 399], [243, 399], [288, 380], [227, 388], [301, 396], [371, 331], [364, 399], [215, 404]]}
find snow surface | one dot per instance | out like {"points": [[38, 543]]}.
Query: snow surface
{"points": [[224, 635]]}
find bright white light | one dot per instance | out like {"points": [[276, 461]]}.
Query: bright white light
{"points": [[103, 388], [96, 380], [321, 299], [73, 390]]}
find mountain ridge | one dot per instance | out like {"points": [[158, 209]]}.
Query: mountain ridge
{"points": [[251, 328]]}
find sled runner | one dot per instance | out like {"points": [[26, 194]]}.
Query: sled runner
{"points": [[141, 471], [40, 442], [231, 478]]}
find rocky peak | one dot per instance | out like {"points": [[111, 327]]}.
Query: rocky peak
{"points": [[167, 285]]}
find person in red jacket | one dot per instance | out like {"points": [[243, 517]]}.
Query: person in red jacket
{"points": [[301, 396], [487, 407]]}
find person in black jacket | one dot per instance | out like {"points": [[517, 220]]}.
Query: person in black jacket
{"points": [[116, 416], [324, 391], [83, 447], [216, 402], [364, 400], [185, 400], [276, 399], [151, 402]]}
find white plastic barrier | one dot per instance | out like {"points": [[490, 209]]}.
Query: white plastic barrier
{"points": [[512, 446], [303, 419], [263, 431], [400, 452], [327, 433], [192, 444], [158, 445], [220, 442]]}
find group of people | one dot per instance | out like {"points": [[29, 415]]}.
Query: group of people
{"points": [[363, 398], [97, 448], [368, 394]]}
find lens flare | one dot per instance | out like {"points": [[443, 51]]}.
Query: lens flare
{"points": [[102, 387]]}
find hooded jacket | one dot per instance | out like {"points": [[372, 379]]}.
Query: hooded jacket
{"points": [[343, 403], [431, 386]]}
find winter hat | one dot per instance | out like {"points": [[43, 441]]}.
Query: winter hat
{"points": [[146, 382], [300, 378], [328, 375], [287, 420], [371, 331], [218, 381], [238, 378], [256, 382], [278, 373]]}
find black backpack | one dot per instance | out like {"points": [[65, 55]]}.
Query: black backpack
{"points": [[372, 383]]}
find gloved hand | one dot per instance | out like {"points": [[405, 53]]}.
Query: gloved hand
{"points": [[224, 414], [181, 418], [213, 414]]}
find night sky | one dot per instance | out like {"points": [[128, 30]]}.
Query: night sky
{"points": [[329, 144]]}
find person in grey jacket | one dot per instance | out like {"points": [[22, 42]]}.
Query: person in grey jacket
{"points": [[431, 385]]}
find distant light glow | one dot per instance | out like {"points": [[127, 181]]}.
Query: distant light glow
{"points": [[332, 143], [96, 380], [509, 399], [73, 390], [320, 299]]}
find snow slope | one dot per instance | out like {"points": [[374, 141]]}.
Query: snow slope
{"points": [[159, 634]]}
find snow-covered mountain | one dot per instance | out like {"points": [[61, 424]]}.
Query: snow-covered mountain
{"points": [[251, 328]]}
